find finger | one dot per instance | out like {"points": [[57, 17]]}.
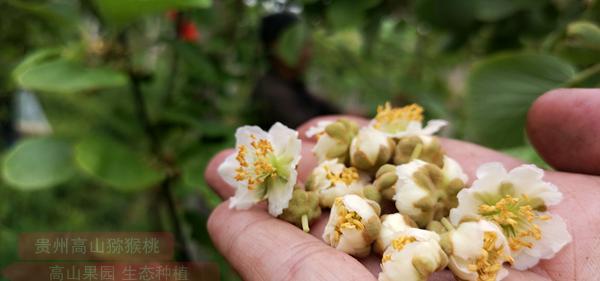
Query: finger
{"points": [[563, 126], [224, 190], [313, 122], [261, 247]]}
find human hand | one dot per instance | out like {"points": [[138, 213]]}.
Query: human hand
{"points": [[562, 126]]}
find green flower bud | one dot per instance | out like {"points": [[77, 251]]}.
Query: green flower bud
{"points": [[385, 180], [426, 148], [425, 192], [303, 209]]}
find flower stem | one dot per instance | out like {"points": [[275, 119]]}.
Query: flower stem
{"points": [[447, 224], [416, 152], [305, 226]]}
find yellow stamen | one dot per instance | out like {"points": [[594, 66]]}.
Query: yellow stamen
{"points": [[261, 167], [402, 241], [347, 176], [516, 217], [397, 118], [346, 220], [490, 261], [386, 258]]}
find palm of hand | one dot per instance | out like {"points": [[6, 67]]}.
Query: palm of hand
{"points": [[261, 247]]}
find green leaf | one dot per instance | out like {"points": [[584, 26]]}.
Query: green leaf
{"points": [[63, 76], [345, 14], [291, 43], [501, 90], [116, 165], [38, 163], [35, 58], [122, 12], [585, 34]]}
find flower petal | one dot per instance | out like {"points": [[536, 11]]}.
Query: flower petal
{"points": [[227, 171], [285, 142], [245, 198], [243, 135], [319, 128], [433, 126], [554, 237], [280, 193]]}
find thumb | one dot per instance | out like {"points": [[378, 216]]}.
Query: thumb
{"points": [[563, 127]]}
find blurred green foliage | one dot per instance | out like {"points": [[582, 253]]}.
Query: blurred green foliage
{"points": [[137, 105]]}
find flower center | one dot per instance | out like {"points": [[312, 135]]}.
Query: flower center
{"points": [[490, 262], [402, 241], [397, 119], [398, 244], [346, 220], [516, 216], [347, 176], [256, 167]]}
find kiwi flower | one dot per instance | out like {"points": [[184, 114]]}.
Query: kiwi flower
{"points": [[477, 251], [263, 167], [391, 226], [353, 225], [404, 121], [333, 139], [412, 255], [517, 201], [370, 149], [332, 179], [425, 192]]}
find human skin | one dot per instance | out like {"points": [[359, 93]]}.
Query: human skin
{"points": [[261, 247]]}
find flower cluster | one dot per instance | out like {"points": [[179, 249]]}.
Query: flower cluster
{"points": [[502, 219]]}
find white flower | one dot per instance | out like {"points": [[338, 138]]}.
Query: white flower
{"points": [[404, 121], [391, 226], [318, 129], [370, 149], [425, 192], [412, 255], [332, 179], [333, 139], [263, 166], [478, 250], [353, 225], [517, 201]]}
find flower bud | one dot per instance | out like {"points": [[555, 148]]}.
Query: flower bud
{"points": [[412, 255], [370, 149], [353, 225], [331, 179], [476, 250], [425, 192], [391, 226], [303, 209], [385, 180], [426, 148], [333, 139]]}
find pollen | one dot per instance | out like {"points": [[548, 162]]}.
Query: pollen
{"points": [[386, 258], [347, 176], [254, 162], [346, 220], [517, 218], [397, 118], [400, 242], [489, 262]]}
